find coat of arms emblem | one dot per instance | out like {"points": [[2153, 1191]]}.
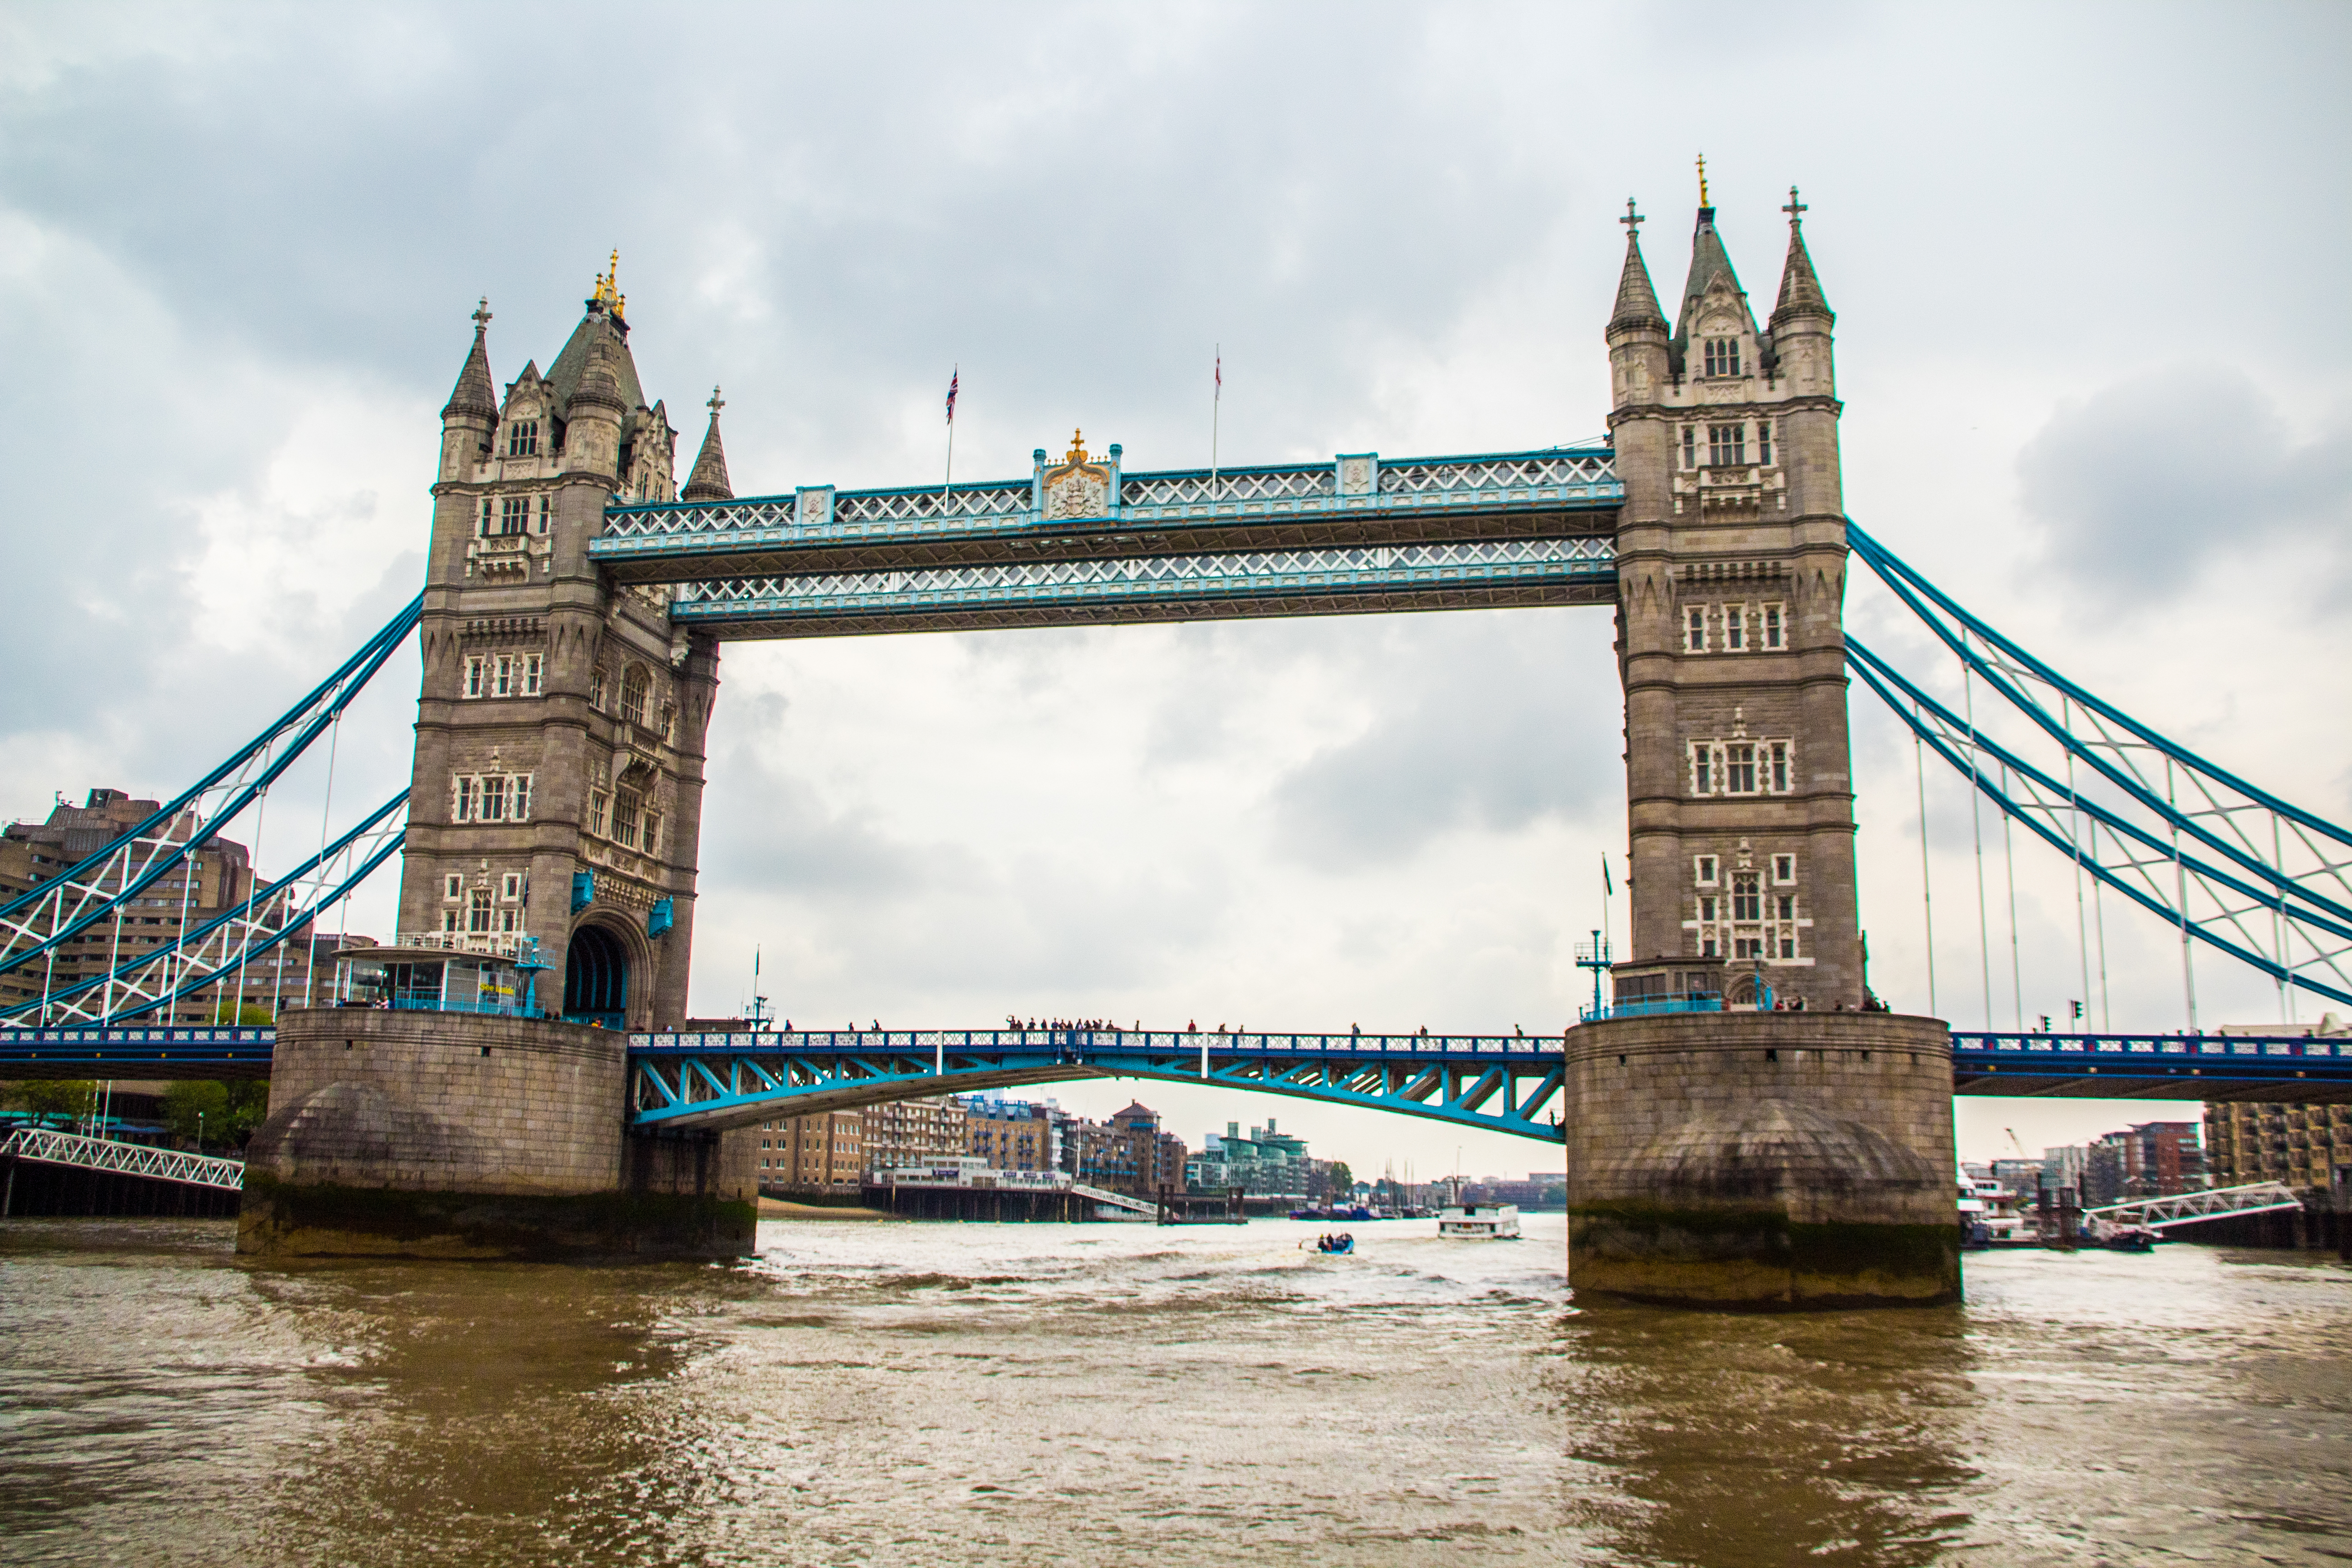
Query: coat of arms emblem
{"points": [[1077, 487]]}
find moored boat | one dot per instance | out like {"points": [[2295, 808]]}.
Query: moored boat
{"points": [[1480, 1222]]}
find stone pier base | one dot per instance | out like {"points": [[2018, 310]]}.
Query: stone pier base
{"points": [[450, 1135], [1763, 1161]]}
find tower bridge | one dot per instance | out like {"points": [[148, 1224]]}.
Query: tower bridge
{"points": [[1744, 1122]]}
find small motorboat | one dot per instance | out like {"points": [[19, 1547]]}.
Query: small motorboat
{"points": [[1340, 1245], [1480, 1222]]}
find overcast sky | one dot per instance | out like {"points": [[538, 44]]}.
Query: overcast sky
{"points": [[2086, 262]]}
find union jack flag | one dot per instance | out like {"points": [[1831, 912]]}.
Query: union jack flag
{"points": [[953, 379]]}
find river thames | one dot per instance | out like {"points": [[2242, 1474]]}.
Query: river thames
{"points": [[1111, 1395]]}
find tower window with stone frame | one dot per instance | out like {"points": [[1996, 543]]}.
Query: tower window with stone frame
{"points": [[473, 687], [522, 438], [1690, 452], [1777, 782], [596, 689], [1694, 629], [635, 686], [1764, 442], [1722, 356], [1701, 768], [514, 514], [1726, 446], [1775, 628], [1739, 768], [627, 808], [1735, 628]]}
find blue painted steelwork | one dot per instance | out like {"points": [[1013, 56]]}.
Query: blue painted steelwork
{"points": [[660, 918], [730, 1080], [137, 1051], [1550, 479], [584, 889], [2223, 862], [2154, 1067], [36, 923], [2047, 807], [204, 956], [1352, 570], [1498, 1083]]}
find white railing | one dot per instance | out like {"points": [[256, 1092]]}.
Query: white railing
{"points": [[2211, 1203], [40, 1145], [496, 945]]}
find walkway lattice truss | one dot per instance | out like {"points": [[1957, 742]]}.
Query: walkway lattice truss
{"points": [[2217, 859], [48, 1148], [2187, 1208], [1498, 1083]]}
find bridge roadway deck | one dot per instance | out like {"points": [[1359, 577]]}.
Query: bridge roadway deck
{"points": [[1506, 1083]]}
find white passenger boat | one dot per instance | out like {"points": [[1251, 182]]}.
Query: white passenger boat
{"points": [[1480, 1222]]}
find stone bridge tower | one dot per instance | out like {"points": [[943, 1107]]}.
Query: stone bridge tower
{"points": [[1744, 1157], [560, 731], [1731, 562]]}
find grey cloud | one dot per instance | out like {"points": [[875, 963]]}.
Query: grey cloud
{"points": [[767, 832], [2147, 481], [1501, 719]]}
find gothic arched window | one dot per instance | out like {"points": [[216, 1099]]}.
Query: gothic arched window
{"points": [[633, 687]]}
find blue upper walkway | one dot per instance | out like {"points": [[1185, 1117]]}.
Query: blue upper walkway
{"points": [[1084, 543]]}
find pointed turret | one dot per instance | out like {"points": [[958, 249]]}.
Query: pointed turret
{"points": [[1710, 270], [708, 482], [1801, 289], [474, 392], [1637, 302]]}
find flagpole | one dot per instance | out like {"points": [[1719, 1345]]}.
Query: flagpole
{"points": [[1216, 407], [955, 380]]}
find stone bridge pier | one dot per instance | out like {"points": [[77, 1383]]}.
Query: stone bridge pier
{"points": [[450, 1135]]}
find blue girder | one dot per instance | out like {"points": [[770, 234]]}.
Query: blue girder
{"points": [[1392, 577], [1941, 613], [203, 956], [1914, 707], [2303, 1068], [37, 922], [1497, 1083], [1501, 1083]]}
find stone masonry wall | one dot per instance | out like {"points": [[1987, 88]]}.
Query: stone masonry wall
{"points": [[1638, 1084], [444, 1103]]}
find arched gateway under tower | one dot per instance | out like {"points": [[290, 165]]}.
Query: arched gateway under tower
{"points": [[575, 599]]}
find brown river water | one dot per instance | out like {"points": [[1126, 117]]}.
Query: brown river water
{"points": [[1112, 1394]]}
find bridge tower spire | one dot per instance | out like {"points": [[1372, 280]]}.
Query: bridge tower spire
{"points": [[1731, 570]]}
